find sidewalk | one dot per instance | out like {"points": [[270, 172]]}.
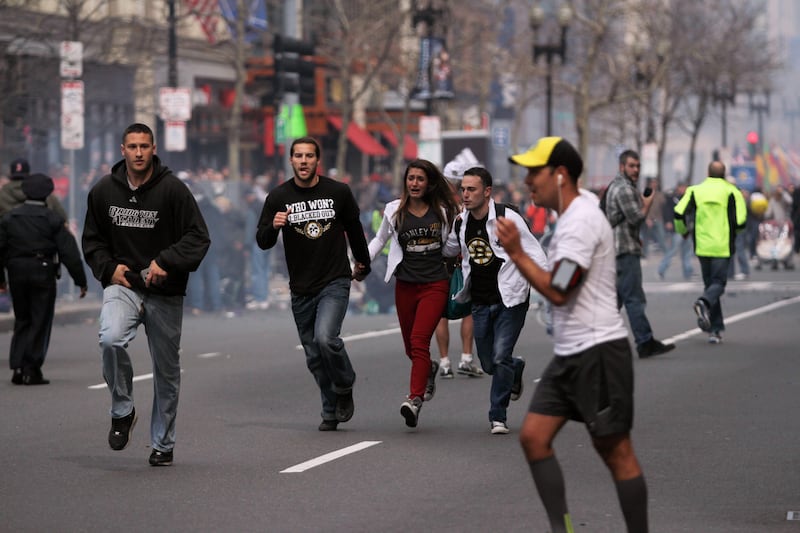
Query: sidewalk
{"points": [[67, 312]]}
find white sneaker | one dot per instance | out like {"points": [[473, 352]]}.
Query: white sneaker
{"points": [[499, 428], [740, 276], [446, 372], [468, 369]]}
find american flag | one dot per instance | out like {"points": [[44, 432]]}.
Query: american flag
{"points": [[206, 12]]}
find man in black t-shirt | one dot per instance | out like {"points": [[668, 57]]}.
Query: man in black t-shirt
{"points": [[314, 213], [498, 292]]}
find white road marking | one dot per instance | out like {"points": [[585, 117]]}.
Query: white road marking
{"points": [[367, 335], [736, 318], [328, 457], [135, 379]]}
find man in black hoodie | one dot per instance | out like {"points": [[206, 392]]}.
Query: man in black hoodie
{"points": [[143, 235]]}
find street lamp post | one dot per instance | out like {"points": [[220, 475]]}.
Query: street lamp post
{"points": [[550, 50], [759, 104], [427, 14], [724, 94]]}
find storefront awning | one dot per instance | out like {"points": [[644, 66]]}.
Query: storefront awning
{"points": [[409, 146], [360, 138]]}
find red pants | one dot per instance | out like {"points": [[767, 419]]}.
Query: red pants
{"points": [[419, 308]]}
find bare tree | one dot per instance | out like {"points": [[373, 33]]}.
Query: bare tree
{"points": [[358, 40]]}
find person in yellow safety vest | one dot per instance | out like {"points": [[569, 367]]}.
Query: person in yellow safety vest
{"points": [[712, 212]]}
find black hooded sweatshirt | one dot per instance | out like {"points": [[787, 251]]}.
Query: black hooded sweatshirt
{"points": [[160, 220]]}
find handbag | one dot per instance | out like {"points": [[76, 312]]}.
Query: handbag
{"points": [[454, 310]]}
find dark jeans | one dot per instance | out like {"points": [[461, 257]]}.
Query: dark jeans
{"points": [[715, 277], [496, 329], [631, 294], [319, 322]]}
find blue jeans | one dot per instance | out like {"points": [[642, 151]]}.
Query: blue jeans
{"points": [[496, 329], [678, 243], [259, 273], [319, 322], [122, 313], [715, 277], [204, 284], [741, 256], [631, 295]]}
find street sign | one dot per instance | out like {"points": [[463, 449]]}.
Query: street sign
{"points": [[430, 128], [72, 137], [500, 137], [175, 104], [175, 136], [649, 160], [71, 65]]}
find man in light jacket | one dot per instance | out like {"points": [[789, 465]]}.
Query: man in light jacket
{"points": [[499, 293]]}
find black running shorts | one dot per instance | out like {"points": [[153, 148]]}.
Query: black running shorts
{"points": [[594, 387]]}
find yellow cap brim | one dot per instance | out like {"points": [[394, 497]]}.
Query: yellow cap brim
{"points": [[538, 155]]}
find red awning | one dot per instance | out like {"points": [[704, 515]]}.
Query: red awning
{"points": [[360, 138], [409, 146]]}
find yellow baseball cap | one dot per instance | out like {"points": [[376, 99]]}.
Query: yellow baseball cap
{"points": [[551, 151]]}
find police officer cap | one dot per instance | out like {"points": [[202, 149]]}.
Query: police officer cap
{"points": [[20, 168], [37, 186]]}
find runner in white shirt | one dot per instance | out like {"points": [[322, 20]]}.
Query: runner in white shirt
{"points": [[590, 379]]}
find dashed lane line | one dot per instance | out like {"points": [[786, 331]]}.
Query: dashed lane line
{"points": [[328, 457], [736, 318]]}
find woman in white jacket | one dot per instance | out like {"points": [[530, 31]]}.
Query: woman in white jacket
{"points": [[418, 224]]}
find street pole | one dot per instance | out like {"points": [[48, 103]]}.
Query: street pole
{"points": [[172, 47], [550, 51]]}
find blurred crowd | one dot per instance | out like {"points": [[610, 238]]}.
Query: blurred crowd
{"points": [[238, 276]]}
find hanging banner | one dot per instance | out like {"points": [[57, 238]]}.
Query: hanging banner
{"points": [[434, 71]]}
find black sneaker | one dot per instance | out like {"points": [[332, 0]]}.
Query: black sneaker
{"points": [[345, 406], [701, 310], [121, 429], [328, 425], [654, 347], [516, 387], [159, 458], [430, 388], [410, 411], [16, 376], [35, 379]]}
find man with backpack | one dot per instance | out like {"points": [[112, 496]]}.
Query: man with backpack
{"points": [[498, 292]]}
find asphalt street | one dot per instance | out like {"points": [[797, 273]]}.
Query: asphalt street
{"points": [[716, 431]]}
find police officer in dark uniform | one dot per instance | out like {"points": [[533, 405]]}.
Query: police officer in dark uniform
{"points": [[32, 236]]}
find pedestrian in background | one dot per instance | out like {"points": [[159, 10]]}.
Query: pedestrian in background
{"points": [[418, 225], [33, 239], [12, 195], [143, 235], [454, 173], [314, 214], [713, 211], [626, 210], [676, 243], [498, 292], [590, 379]]}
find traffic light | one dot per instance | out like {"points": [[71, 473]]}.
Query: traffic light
{"points": [[752, 142], [294, 69]]}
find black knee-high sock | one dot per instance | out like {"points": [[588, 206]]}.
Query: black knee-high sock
{"points": [[632, 495], [550, 483]]}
